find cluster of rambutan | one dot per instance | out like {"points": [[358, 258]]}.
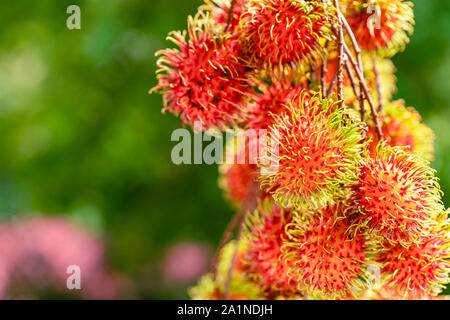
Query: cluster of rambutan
{"points": [[353, 209]]}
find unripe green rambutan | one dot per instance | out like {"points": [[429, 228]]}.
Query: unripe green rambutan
{"points": [[204, 79], [380, 25], [220, 9], [418, 271]]}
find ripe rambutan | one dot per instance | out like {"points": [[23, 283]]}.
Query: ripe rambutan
{"points": [[266, 233], [318, 148], [402, 126], [397, 196], [235, 180], [326, 260], [418, 271], [220, 10], [205, 80], [380, 25], [282, 31]]}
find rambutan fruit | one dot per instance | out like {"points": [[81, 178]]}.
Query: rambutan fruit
{"points": [[220, 11], [204, 80], [380, 25], [318, 149], [210, 288], [278, 32], [397, 196], [326, 259], [418, 271], [402, 126], [266, 233], [235, 180]]}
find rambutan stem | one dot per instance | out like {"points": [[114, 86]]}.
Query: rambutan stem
{"points": [[230, 14], [324, 71], [248, 203], [357, 93], [333, 82], [340, 74], [378, 84], [233, 259], [366, 92], [358, 66]]}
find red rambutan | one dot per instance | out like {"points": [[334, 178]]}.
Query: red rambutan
{"points": [[397, 196], [239, 173], [271, 99], [418, 271], [262, 261], [282, 31], [380, 25], [318, 145], [205, 80]]}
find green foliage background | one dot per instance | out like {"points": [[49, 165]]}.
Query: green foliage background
{"points": [[80, 136]]}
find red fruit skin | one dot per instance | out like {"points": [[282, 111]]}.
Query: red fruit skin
{"points": [[327, 260], [278, 32]]}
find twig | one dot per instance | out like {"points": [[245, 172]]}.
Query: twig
{"points": [[333, 82], [225, 238], [366, 92], [378, 85], [234, 258], [340, 74], [230, 14], [352, 78], [248, 203]]}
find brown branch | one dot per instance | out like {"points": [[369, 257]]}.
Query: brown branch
{"points": [[253, 193], [340, 74], [324, 71], [248, 203], [230, 14], [352, 78], [378, 85], [366, 92], [333, 82]]}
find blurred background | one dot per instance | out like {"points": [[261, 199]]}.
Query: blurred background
{"points": [[85, 150]]}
